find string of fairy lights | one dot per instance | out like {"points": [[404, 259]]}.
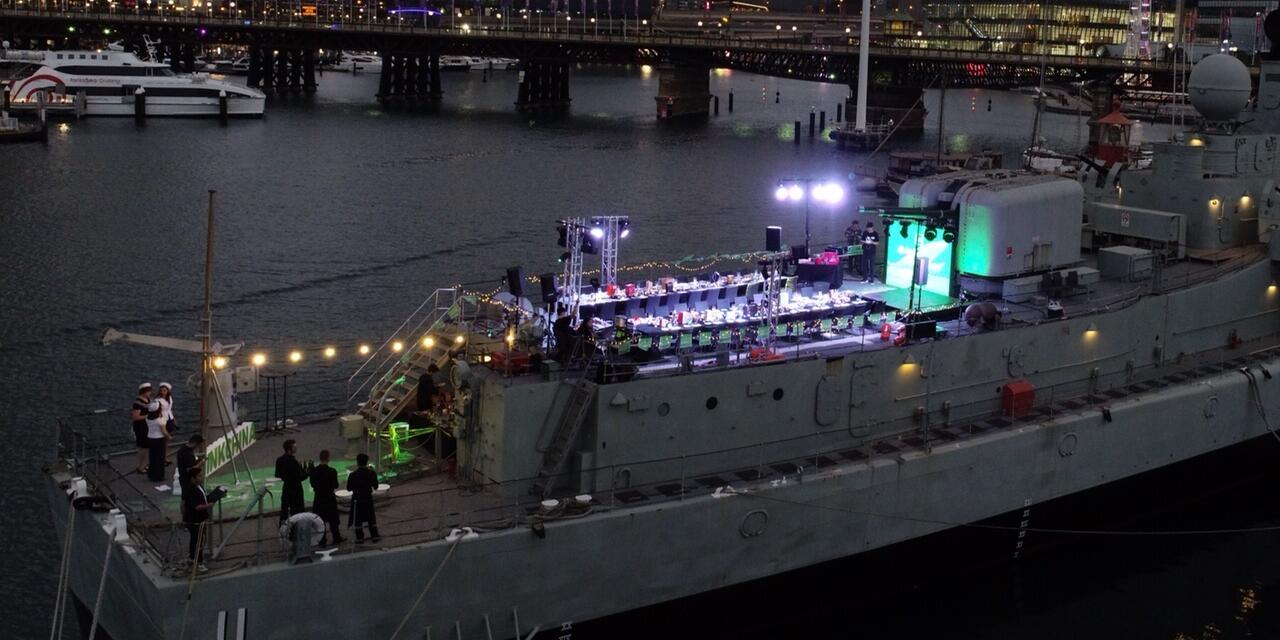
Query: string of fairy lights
{"points": [[335, 351]]}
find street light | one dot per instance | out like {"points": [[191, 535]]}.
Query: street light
{"points": [[806, 189]]}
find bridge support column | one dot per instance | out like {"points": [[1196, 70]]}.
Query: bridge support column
{"points": [[254, 78], [543, 85], [282, 69], [429, 78], [384, 77], [295, 70], [268, 68], [189, 58], [683, 91], [309, 70], [411, 75]]}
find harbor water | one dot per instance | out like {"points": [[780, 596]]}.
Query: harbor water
{"points": [[336, 217]]}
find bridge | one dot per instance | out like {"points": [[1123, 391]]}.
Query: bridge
{"points": [[283, 50]]}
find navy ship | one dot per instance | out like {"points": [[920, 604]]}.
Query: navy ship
{"points": [[581, 449]]}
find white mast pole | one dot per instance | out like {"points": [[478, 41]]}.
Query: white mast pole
{"points": [[864, 62]]}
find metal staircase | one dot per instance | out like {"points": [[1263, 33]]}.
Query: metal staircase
{"points": [[556, 455], [391, 374]]}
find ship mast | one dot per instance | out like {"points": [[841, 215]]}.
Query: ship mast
{"points": [[206, 330]]}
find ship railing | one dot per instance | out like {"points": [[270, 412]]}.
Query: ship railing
{"points": [[441, 305], [97, 447]]}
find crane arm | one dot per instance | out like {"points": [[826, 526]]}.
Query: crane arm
{"points": [[112, 336]]}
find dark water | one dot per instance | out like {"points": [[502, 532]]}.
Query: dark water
{"points": [[337, 217]]}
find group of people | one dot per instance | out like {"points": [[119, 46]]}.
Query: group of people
{"points": [[362, 482], [153, 428]]}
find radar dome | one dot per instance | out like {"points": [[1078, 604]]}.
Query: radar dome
{"points": [[1219, 87]]}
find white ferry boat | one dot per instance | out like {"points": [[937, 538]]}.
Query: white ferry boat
{"points": [[111, 79]]}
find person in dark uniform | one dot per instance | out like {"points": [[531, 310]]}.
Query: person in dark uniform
{"points": [[195, 512], [870, 240], [139, 417], [361, 483], [324, 481], [292, 474], [188, 461], [562, 332]]}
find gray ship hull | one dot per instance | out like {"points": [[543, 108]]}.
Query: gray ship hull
{"points": [[627, 558]]}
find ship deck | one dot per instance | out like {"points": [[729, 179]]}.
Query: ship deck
{"points": [[426, 501]]}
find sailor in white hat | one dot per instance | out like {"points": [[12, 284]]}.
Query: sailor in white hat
{"points": [[165, 397], [139, 416]]}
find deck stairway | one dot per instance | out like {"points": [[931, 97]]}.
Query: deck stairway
{"points": [[556, 455], [392, 373]]}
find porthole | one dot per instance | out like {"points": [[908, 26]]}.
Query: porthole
{"points": [[777, 393], [712, 402], [664, 409]]}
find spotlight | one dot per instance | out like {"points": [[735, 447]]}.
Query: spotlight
{"points": [[819, 192], [930, 234], [905, 229], [597, 233], [624, 227], [948, 237], [624, 233], [780, 193], [835, 193], [564, 257], [795, 192], [219, 362]]}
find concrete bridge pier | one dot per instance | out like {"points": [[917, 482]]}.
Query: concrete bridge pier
{"points": [[309, 70], [683, 91], [268, 68], [543, 85], [254, 76], [409, 76], [429, 78]]}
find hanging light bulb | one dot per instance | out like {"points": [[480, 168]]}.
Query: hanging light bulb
{"points": [[364, 349], [295, 356], [330, 352]]}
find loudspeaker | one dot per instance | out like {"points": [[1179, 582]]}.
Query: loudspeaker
{"points": [[548, 282], [515, 281], [921, 275], [773, 238]]}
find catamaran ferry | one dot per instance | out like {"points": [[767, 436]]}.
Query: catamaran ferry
{"points": [[113, 81]]}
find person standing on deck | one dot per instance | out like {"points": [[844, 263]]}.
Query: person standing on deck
{"points": [[195, 512], [361, 483], [324, 482], [188, 461], [157, 440], [139, 416], [870, 239], [292, 474], [165, 397]]}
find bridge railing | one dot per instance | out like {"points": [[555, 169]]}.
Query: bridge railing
{"points": [[560, 32]]}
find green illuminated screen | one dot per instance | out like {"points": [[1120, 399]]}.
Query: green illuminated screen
{"points": [[902, 253]]}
